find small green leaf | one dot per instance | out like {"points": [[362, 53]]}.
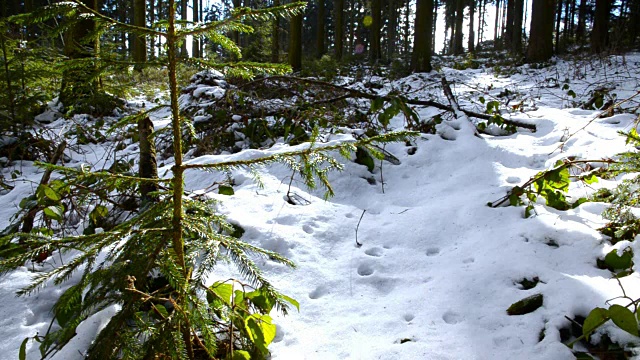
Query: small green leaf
{"points": [[162, 310], [28, 202], [571, 93], [565, 87], [222, 290], [615, 261], [50, 193], [261, 330], [54, 212], [376, 104], [225, 190], [260, 299], [595, 319], [22, 355], [481, 99], [292, 301], [624, 318]]}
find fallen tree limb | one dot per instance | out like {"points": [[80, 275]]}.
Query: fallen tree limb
{"points": [[365, 95], [457, 113]]}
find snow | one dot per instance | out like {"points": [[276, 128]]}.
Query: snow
{"points": [[437, 268]]}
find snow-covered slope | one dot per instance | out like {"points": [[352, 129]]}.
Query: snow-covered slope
{"points": [[437, 268]]}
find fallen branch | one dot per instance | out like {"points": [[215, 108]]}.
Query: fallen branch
{"points": [[365, 95], [456, 108]]}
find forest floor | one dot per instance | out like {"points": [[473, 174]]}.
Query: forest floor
{"points": [[438, 267]]}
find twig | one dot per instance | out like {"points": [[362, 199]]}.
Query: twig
{"points": [[457, 113], [358, 226]]}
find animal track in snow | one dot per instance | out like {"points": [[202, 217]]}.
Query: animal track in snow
{"points": [[374, 251], [513, 180], [408, 317], [433, 251], [307, 228], [319, 292], [365, 269], [468, 260], [451, 317]]}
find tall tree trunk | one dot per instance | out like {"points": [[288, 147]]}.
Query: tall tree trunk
{"points": [[139, 42], [374, 33], [407, 24], [582, 15], [472, 37], [541, 31], [339, 28], [496, 29], [152, 20], [392, 33], [183, 15], [599, 34], [435, 24], [481, 21], [558, 19], [320, 35], [295, 42], [78, 83], [275, 37], [421, 56], [516, 37], [195, 41], [458, 32], [508, 26]]}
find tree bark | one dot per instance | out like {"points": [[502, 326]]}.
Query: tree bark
{"points": [[374, 33], [195, 41], [339, 28], [295, 43], [320, 34], [139, 42], [183, 15], [516, 37], [421, 56], [458, 34], [541, 31], [275, 37], [599, 34], [392, 33], [148, 168], [471, 43]]}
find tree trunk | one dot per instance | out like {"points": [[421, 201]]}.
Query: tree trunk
{"points": [[421, 57], [152, 20], [508, 26], [295, 42], [320, 35], [582, 14], [599, 34], [339, 28], [541, 31], [392, 33], [558, 18], [374, 33], [496, 29], [457, 47], [183, 15], [148, 168], [78, 82], [195, 41], [472, 36], [516, 37], [275, 37], [139, 42]]}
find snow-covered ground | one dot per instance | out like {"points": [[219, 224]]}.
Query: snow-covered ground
{"points": [[437, 268]]}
